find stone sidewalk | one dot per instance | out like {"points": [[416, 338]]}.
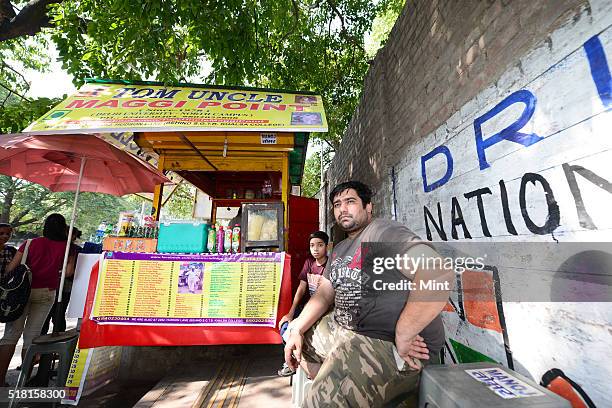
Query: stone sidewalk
{"points": [[245, 381], [249, 382], [13, 374]]}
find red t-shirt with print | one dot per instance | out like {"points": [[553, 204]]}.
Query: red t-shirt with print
{"points": [[45, 259], [311, 274]]}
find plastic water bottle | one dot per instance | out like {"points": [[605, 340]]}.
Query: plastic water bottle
{"points": [[100, 232]]}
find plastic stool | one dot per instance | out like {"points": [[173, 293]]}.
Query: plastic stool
{"points": [[63, 344], [299, 387]]}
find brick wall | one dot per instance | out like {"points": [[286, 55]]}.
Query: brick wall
{"points": [[439, 56], [494, 117]]}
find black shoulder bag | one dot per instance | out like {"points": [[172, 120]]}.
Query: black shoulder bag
{"points": [[15, 288]]}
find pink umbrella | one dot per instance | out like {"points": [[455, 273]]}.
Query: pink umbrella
{"points": [[54, 161], [75, 162]]}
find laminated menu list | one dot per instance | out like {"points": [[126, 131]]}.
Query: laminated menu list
{"points": [[206, 289]]}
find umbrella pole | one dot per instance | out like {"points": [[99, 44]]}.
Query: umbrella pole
{"points": [[58, 307]]}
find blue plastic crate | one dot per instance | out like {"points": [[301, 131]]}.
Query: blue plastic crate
{"points": [[182, 237]]}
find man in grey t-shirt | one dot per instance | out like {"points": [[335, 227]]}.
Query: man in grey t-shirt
{"points": [[369, 349]]}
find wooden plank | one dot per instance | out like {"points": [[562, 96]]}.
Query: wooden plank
{"points": [[224, 164]]}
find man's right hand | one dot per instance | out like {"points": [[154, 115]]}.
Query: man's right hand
{"points": [[293, 349], [412, 351]]}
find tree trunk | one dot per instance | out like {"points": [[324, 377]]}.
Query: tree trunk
{"points": [[8, 202], [31, 18]]}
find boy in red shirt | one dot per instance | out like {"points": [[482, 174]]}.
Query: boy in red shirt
{"points": [[309, 282]]}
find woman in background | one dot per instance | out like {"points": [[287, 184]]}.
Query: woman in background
{"points": [[45, 258], [60, 325]]}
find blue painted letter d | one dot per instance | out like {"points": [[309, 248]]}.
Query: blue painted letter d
{"points": [[449, 168]]}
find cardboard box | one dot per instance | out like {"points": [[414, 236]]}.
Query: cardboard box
{"points": [[127, 244]]}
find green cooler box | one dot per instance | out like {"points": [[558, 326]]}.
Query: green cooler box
{"points": [[477, 385], [182, 237]]}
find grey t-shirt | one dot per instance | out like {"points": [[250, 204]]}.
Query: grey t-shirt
{"points": [[368, 312]]}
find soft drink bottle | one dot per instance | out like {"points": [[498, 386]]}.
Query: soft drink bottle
{"points": [[220, 239], [212, 239], [236, 239], [227, 240]]}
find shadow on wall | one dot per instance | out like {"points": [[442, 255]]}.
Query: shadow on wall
{"points": [[582, 277]]}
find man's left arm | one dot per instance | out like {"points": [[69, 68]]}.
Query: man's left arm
{"points": [[423, 304]]}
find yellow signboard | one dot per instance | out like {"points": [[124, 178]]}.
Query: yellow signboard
{"points": [[107, 107]]}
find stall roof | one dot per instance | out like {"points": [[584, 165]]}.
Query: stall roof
{"points": [[176, 118], [227, 151]]}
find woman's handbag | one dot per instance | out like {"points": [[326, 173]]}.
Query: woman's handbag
{"points": [[15, 290]]}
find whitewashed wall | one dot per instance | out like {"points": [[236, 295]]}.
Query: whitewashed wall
{"points": [[573, 120]]}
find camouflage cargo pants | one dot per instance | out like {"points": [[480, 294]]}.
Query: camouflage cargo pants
{"points": [[356, 371]]}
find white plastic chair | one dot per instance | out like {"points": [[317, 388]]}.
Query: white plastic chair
{"points": [[299, 387]]}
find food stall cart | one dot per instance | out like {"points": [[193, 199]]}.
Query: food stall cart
{"points": [[241, 146]]}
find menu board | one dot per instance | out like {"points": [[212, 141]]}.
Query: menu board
{"points": [[206, 289]]}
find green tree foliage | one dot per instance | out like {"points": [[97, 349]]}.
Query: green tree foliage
{"points": [[178, 203], [316, 45], [14, 117], [93, 208], [25, 205], [313, 45], [311, 180], [16, 55], [382, 25]]}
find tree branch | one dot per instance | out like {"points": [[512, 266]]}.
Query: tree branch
{"points": [[332, 146], [21, 223], [6, 11], [343, 32], [337, 12], [32, 17], [35, 204], [296, 17], [18, 217]]}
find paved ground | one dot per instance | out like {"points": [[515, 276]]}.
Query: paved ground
{"points": [[249, 381], [12, 375]]}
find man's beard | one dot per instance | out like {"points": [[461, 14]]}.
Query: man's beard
{"points": [[352, 225]]}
